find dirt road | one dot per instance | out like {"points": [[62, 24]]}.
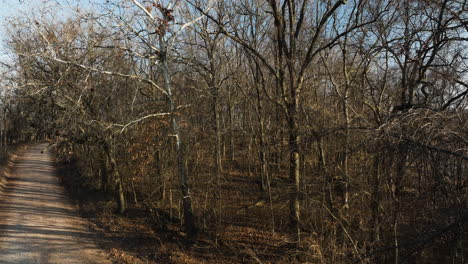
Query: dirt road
{"points": [[37, 223]]}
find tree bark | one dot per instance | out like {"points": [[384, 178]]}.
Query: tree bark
{"points": [[375, 198], [189, 218], [122, 204], [294, 172]]}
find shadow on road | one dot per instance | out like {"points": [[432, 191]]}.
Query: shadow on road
{"points": [[37, 223]]}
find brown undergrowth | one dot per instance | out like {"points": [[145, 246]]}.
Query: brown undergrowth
{"points": [[144, 234]]}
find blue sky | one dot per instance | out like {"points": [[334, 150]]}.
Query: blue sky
{"points": [[10, 8]]}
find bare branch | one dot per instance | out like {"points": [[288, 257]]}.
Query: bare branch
{"points": [[124, 127]]}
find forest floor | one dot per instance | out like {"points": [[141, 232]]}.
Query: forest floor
{"points": [[236, 237], [37, 222]]}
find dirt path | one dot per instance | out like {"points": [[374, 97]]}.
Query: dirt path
{"points": [[37, 223]]}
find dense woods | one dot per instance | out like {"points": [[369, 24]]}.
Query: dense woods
{"points": [[325, 131]]}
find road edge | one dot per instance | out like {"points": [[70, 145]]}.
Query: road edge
{"points": [[7, 166]]}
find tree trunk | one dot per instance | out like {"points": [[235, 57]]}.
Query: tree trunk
{"points": [[232, 154], [263, 164], [189, 218], [345, 153], [294, 173], [375, 198], [120, 190], [218, 159], [122, 204]]}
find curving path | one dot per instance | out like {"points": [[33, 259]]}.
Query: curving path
{"points": [[37, 223]]}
